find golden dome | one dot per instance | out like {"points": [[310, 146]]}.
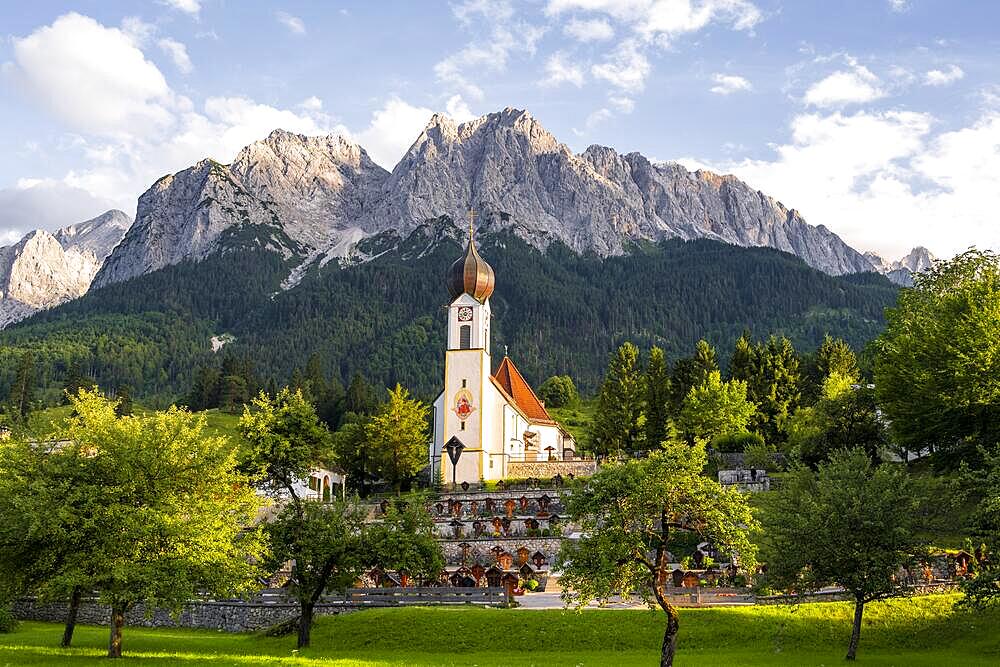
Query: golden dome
{"points": [[471, 275]]}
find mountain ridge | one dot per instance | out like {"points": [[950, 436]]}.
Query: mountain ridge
{"points": [[326, 195]]}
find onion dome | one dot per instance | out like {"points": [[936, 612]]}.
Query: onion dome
{"points": [[471, 275]]}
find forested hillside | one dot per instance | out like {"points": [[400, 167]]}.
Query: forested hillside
{"points": [[557, 312]]}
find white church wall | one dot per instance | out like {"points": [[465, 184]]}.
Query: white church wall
{"points": [[548, 436]]}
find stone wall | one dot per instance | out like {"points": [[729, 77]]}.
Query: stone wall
{"points": [[229, 616], [547, 545], [549, 469], [843, 596]]}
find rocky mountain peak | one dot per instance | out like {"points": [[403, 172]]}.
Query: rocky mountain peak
{"points": [[327, 196], [45, 269]]}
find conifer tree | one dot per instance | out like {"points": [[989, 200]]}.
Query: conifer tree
{"points": [[692, 372], [619, 422], [657, 398], [835, 356], [741, 364], [21, 399], [360, 398], [774, 387], [76, 380]]}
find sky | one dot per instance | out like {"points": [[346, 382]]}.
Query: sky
{"points": [[879, 119]]}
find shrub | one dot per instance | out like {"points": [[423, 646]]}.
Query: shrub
{"points": [[736, 442], [8, 623], [760, 456]]}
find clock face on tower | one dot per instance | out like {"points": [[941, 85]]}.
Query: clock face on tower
{"points": [[465, 314]]}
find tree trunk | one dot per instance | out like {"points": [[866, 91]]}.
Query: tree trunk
{"points": [[669, 637], [74, 607], [117, 622], [305, 624], [859, 609]]}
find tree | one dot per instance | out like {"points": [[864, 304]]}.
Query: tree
{"points": [[286, 439], [936, 373], [741, 364], [774, 387], [657, 405], [321, 540], [175, 516], [851, 523], [631, 515], [349, 446], [618, 422], [46, 499], [398, 436], [716, 408], [76, 380], [559, 392], [833, 356], [123, 401], [360, 398], [845, 416], [21, 399], [692, 372], [983, 590], [404, 541]]}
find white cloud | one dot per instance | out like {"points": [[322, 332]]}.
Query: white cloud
{"points": [[856, 85], [457, 108], [494, 11], [558, 70], [664, 20], [93, 77], [191, 7], [626, 68], [899, 6], [178, 53], [622, 103], [293, 23], [138, 30], [311, 103], [886, 181], [392, 131], [490, 53], [593, 30], [460, 69], [726, 84], [36, 203], [937, 77]]}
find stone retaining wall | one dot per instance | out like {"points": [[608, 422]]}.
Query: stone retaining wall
{"points": [[231, 616], [547, 545], [549, 469], [843, 596]]}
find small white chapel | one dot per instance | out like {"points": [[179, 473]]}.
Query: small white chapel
{"points": [[485, 419]]}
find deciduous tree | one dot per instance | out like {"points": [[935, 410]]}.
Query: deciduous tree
{"points": [[716, 408], [937, 369], [631, 514], [851, 523], [397, 437]]}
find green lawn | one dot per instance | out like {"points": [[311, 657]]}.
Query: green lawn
{"points": [[911, 633]]}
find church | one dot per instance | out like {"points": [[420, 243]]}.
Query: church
{"points": [[485, 420]]}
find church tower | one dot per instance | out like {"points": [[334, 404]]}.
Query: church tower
{"points": [[465, 414]]}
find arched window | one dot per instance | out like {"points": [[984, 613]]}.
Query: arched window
{"points": [[465, 337]]}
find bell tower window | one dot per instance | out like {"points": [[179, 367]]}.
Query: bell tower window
{"points": [[465, 337]]}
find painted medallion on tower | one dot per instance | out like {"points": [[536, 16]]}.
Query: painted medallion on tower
{"points": [[463, 404]]}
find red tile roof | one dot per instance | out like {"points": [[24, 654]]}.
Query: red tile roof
{"points": [[515, 386]]}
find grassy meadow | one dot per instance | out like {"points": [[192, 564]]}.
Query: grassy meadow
{"points": [[914, 632]]}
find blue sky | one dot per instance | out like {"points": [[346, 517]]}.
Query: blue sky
{"points": [[877, 118]]}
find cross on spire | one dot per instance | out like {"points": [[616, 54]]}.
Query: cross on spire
{"points": [[472, 220]]}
